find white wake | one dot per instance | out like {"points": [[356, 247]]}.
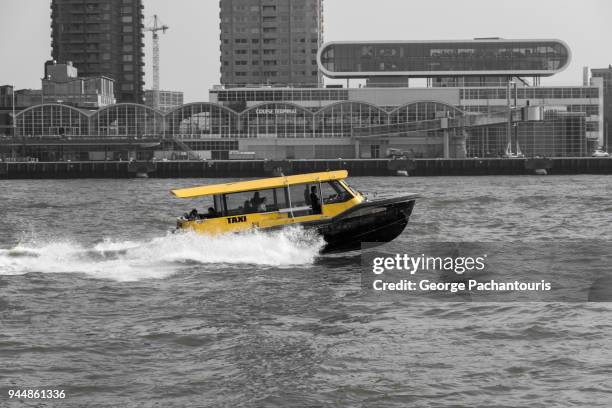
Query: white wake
{"points": [[160, 257]]}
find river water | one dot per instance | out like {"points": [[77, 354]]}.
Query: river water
{"points": [[98, 299]]}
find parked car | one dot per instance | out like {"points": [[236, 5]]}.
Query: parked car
{"points": [[600, 153]]}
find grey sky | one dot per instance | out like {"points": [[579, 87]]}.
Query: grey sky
{"points": [[190, 49]]}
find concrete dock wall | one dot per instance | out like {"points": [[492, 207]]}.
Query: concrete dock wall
{"points": [[261, 168]]}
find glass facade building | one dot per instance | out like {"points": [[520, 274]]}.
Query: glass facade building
{"points": [[444, 58], [52, 120]]}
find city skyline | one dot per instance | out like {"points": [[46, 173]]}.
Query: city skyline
{"points": [[190, 49]]}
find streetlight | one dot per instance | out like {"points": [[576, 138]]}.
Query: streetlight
{"points": [[14, 118]]}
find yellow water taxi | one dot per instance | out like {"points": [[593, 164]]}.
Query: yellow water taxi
{"points": [[322, 201]]}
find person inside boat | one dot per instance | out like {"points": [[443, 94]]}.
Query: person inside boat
{"points": [[307, 195], [262, 206], [314, 200], [247, 207], [212, 213], [256, 201], [193, 214]]}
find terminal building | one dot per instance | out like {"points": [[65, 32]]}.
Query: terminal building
{"points": [[482, 98]]}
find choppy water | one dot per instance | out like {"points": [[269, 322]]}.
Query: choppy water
{"points": [[98, 299]]}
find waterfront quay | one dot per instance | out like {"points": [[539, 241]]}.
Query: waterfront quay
{"points": [[261, 168]]}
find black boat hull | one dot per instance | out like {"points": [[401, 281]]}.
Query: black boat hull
{"points": [[371, 221]]}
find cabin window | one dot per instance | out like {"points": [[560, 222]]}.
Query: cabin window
{"points": [[258, 201], [334, 192], [300, 194]]}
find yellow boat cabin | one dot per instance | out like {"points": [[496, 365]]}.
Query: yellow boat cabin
{"points": [[317, 200]]}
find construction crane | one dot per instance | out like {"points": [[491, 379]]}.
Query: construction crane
{"points": [[154, 29]]}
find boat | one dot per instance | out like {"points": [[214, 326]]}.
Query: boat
{"points": [[322, 201]]}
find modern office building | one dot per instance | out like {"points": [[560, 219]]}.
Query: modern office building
{"points": [[168, 100], [479, 62], [606, 75], [270, 42], [102, 38]]}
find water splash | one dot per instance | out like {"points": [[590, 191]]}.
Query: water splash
{"points": [[163, 256]]}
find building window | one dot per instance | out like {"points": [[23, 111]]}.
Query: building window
{"points": [[128, 57], [126, 19]]}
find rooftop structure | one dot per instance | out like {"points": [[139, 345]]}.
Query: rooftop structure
{"points": [[62, 84], [427, 59]]}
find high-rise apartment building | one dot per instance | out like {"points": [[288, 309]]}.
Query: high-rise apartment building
{"points": [[606, 74], [102, 37], [270, 41]]}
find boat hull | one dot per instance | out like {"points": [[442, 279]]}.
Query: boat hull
{"points": [[370, 222]]}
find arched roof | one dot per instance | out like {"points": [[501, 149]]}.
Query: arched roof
{"points": [[416, 103], [191, 104], [118, 106], [339, 103], [85, 114]]}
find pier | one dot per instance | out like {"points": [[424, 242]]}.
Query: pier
{"points": [[262, 168]]}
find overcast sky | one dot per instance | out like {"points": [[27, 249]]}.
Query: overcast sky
{"points": [[190, 49]]}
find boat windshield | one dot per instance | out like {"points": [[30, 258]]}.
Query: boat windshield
{"points": [[334, 192]]}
